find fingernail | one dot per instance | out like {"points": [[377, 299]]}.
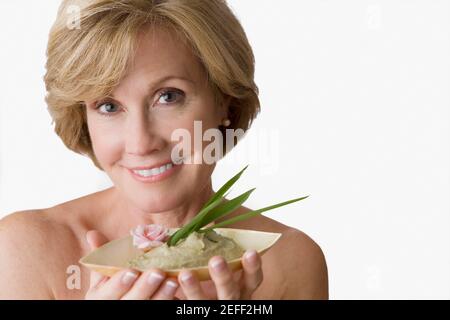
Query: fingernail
{"points": [[155, 278], [187, 278], [170, 287], [129, 277], [251, 256], [218, 264]]}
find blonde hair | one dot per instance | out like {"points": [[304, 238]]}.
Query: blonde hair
{"points": [[86, 63]]}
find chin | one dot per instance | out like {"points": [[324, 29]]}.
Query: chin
{"points": [[162, 195], [156, 200]]}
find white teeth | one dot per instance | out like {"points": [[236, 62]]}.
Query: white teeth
{"points": [[154, 171], [144, 173]]}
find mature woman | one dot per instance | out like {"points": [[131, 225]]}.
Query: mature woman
{"points": [[119, 84]]}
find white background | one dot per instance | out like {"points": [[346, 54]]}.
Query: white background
{"points": [[357, 94]]}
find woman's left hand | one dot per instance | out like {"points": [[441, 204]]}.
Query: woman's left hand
{"points": [[227, 286]]}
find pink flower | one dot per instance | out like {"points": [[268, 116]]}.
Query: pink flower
{"points": [[148, 236]]}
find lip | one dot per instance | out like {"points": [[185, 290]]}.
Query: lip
{"points": [[158, 177]]}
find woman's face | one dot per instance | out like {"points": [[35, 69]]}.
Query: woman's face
{"points": [[163, 91]]}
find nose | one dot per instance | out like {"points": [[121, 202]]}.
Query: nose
{"points": [[141, 137]]}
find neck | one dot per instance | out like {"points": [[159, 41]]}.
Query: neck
{"points": [[122, 216]]}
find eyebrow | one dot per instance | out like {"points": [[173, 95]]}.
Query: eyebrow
{"points": [[154, 84]]}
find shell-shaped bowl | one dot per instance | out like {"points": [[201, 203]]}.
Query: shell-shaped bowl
{"points": [[114, 255]]}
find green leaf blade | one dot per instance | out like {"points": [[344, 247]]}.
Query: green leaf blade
{"points": [[251, 214], [190, 227], [210, 204], [225, 208], [226, 187]]}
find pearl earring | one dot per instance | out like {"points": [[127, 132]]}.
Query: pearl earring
{"points": [[226, 122]]}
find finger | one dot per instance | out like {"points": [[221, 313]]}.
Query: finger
{"points": [[167, 290], [179, 294], [227, 288], [117, 286], [147, 284], [252, 275], [191, 286], [209, 289], [95, 239]]}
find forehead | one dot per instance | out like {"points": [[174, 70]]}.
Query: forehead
{"points": [[161, 53]]}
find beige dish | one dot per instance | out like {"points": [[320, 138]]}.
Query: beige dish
{"points": [[114, 255]]}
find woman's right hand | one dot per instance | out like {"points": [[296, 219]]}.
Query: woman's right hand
{"points": [[128, 284]]}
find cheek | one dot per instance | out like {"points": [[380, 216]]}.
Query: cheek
{"points": [[106, 146]]}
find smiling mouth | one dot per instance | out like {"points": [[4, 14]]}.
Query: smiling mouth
{"points": [[154, 171]]}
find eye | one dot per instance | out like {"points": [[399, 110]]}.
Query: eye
{"points": [[107, 108], [171, 96]]}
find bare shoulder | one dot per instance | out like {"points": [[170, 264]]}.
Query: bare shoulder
{"points": [[306, 274], [31, 243], [27, 232], [23, 239], [295, 265]]}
